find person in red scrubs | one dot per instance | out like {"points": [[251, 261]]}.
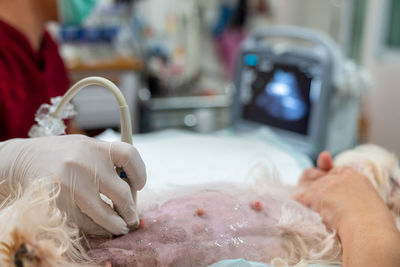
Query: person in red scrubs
{"points": [[32, 72], [31, 69]]}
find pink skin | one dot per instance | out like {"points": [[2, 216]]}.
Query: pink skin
{"points": [[206, 227], [176, 234], [230, 227]]}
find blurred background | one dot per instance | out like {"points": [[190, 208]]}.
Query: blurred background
{"points": [[207, 65]]}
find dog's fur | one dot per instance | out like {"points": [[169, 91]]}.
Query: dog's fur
{"points": [[33, 232], [382, 170]]}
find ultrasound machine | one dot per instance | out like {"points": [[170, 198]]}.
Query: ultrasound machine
{"points": [[296, 82]]}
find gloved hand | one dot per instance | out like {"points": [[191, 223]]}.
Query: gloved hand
{"points": [[84, 167]]}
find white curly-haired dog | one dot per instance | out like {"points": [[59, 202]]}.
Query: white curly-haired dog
{"points": [[382, 170], [33, 232]]}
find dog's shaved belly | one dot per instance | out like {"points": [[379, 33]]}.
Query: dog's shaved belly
{"points": [[198, 230]]}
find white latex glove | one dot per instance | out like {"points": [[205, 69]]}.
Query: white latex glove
{"points": [[84, 167]]}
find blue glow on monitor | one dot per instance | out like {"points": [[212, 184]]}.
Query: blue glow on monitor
{"points": [[281, 98]]}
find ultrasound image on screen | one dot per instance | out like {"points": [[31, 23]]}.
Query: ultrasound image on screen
{"points": [[280, 98]]}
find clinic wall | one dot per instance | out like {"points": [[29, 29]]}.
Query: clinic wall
{"points": [[382, 101], [303, 13]]}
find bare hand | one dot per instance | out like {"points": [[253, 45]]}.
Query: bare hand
{"points": [[349, 203], [324, 165], [340, 197]]}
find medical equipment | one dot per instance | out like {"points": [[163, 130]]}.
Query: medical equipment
{"points": [[296, 81], [202, 114], [51, 123], [126, 128]]}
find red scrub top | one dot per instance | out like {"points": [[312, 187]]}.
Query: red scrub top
{"points": [[28, 79]]}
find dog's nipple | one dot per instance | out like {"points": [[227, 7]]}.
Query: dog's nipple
{"points": [[256, 205]]}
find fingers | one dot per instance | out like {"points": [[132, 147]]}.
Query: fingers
{"points": [[101, 213], [87, 225], [343, 170], [325, 161], [126, 156], [324, 165], [120, 194], [301, 196], [309, 196], [310, 175], [66, 204]]}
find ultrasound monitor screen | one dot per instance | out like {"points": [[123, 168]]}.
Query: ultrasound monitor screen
{"points": [[280, 97]]}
